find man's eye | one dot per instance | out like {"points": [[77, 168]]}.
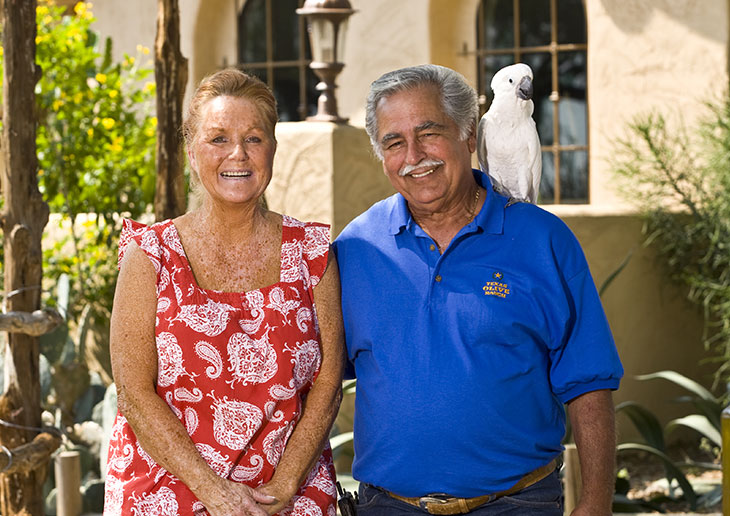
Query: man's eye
{"points": [[219, 139], [393, 145]]}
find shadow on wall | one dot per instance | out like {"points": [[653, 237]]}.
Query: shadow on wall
{"points": [[698, 17]]}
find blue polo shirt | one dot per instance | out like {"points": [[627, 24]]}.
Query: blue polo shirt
{"points": [[464, 360]]}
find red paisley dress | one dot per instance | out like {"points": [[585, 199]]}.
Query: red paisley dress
{"points": [[234, 367]]}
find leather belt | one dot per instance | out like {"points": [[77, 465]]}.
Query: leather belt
{"points": [[444, 504]]}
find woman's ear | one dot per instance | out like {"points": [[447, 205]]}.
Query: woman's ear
{"points": [[191, 158]]}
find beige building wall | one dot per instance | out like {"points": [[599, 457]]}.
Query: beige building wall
{"points": [[660, 55]]}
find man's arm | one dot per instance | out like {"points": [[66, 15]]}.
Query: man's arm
{"points": [[592, 418]]}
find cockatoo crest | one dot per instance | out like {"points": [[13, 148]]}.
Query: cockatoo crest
{"points": [[508, 146]]}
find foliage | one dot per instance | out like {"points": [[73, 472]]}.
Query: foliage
{"points": [[681, 183], [96, 156], [95, 144], [705, 421]]}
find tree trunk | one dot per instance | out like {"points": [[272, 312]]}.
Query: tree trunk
{"points": [[22, 223], [171, 75]]}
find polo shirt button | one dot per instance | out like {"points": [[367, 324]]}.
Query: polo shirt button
{"points": [[432, 247], [438, 278]]}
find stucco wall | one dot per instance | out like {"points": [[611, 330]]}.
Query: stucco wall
{"points": [[662, 55], [325, 172]]}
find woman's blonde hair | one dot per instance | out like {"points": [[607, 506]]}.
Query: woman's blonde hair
{"points": [[230, 82]]}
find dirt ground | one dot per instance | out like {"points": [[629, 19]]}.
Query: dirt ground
{"points": [[647, 481]]}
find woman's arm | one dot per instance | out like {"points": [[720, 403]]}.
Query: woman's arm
{"points": [[310, 435], [159, 431]]}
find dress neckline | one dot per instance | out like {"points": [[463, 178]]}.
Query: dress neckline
{"points": [[194, 280]]}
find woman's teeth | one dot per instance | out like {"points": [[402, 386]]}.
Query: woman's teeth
{"points": [[235, 174]]}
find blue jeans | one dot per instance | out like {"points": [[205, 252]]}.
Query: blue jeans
{"points": [[545, 498]]}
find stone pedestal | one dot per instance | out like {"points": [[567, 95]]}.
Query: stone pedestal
{"points": [[325, 172]]}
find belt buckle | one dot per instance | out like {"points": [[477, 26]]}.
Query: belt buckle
{"points": [[438, 498], [442, 499]]}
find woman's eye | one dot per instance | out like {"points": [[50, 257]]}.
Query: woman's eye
{"points": [[219, 139], [253, 139]]}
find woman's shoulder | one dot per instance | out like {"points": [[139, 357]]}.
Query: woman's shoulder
{"points": [[148, 237], [289, 221]]}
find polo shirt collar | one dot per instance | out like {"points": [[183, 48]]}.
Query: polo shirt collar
{"points": [[490, 219]]}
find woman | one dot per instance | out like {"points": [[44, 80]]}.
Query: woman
{"points": [[215, 338]]}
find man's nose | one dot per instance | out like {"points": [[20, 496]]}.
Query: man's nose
{"points": [[415, 153]]}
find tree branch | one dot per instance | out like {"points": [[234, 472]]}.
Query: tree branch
{"points": [[34, 323], [27, 457]]}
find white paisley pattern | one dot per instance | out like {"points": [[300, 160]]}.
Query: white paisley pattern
{"points": [[234, 368], [251, 360], [235, 422]]}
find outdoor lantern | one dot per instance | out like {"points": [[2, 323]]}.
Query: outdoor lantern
{"points": [[327, 21]]}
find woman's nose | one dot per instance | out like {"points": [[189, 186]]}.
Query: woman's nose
{"points": [[239, 151]]}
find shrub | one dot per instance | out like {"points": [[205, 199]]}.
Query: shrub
{"points": [[680, 181]]}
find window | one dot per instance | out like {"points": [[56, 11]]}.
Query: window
{"points": [[273, 45], [550, 36]]}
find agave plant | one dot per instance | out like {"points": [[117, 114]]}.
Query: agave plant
{"points": [[706, 421]]}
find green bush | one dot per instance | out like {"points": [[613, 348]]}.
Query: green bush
{"points": [[680, 180], [95, 144]]}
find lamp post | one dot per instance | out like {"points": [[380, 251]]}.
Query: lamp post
{"points": [[327, 22]]}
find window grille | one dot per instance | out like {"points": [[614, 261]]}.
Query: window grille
{"points": [[550, 36]]}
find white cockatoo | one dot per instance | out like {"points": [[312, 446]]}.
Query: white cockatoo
{"points": [[508, 147]]}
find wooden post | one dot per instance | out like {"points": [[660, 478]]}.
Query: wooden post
{"points": [[571, 478], [68, 484], [171, 75], [23, 221], [725, 432]]}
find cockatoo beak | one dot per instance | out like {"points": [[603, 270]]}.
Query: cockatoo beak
{"points": [[524, 88]]}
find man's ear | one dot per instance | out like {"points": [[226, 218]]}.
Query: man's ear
{"points": [[471, 140]]}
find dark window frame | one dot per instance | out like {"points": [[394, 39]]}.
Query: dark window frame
{"points": [[270, 65], [554, 49]]}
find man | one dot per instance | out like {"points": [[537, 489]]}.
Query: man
{"points": [[470, 321]]}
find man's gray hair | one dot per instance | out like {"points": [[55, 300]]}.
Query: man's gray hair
{"points": [[458, 98]]}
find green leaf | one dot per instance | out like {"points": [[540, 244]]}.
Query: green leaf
{"points": [[672, 470], [340, 439], [349, 386], [698, 423], [681, 381], [645, 422], [611, 277]]}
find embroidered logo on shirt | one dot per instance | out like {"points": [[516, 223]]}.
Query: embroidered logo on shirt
{"points": [[496, 287]]}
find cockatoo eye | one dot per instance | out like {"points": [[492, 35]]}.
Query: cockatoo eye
{"points": [[511, 81]]}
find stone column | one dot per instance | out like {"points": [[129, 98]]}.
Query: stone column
{"points": [[325, 172]]}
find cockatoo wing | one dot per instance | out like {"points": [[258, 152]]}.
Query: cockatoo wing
{"points": [[535, 154], [482, 144]]}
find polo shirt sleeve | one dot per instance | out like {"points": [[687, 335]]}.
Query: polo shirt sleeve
{"points": [[583, 356]]}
